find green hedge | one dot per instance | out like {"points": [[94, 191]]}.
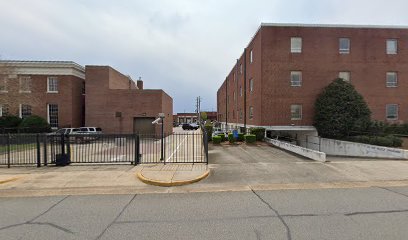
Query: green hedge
{"points": [[222, 136], [259, 132], [209, 129], [240, 137], [216, 139], [10, 121], [386, 141], [231, 138], [250, 138]]}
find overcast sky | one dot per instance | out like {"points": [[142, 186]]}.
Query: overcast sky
{"points": [[185, 47]]}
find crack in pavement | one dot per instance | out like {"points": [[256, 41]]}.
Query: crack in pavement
{"points": [[32, 221], [375, 212], [288, 233], [116, 218], [405, 195]]}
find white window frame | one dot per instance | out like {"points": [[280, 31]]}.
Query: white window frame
{"points": [[292, 110], [48, 84], [48, 115], [4, 82], [21, 110], [396, 113], [390, 43], [24, 78], [251, 85], [251, 59], [295, 83], [391, 84], [1, 110], [251, 112], [344, 50], [347, 73], [296, 41]]}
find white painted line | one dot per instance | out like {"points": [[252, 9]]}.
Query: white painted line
{"points": [[171, 155]]}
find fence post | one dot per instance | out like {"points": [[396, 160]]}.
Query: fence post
{"points": [[307, 142], [38, 150], [137, 149], [45, 150], [320, 143], [8, 150], [68, 148]]}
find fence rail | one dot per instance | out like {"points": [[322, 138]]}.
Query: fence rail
{"points": [[44, 149]]}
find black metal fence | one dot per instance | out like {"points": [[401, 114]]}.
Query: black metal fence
{"points": [[44, 149]]}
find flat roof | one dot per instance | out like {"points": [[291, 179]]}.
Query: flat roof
{"points": [[333, 25]]}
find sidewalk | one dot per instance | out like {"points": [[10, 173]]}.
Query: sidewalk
{"points": [[96, 179]]}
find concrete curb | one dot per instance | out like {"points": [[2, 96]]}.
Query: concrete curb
{"points": [[9, 180], [170, 183]]}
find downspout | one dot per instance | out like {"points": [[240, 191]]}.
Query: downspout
{"points": [[236, 95], [226, 102], [245, 80]]}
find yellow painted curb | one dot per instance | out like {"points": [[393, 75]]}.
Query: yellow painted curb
{"points": [[9, 180], [171, 183]]}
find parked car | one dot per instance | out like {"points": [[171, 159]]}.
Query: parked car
{"points": [[87, 134], [218, 131], [190, 126], [65, 131]]}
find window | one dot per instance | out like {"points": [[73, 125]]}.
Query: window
{"points": [[392, 80], [251, 112], [296, 112], [392, 46], [52, 84], [251, 85], [296, 78], [240, 68], [344, 45], [3, 83], [345, 76], [251, 59], [25, 110], [240, 91], [52, 110], [240, 115], [392, 111], [295, 45], [25, 84], [234, 96], [4, 110]]}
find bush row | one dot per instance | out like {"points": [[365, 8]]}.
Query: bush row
{"points": [[31, 124], [386, 141]]}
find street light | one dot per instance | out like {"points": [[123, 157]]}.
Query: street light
{"points": [[161, 119]]}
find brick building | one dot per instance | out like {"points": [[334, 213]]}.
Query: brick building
{"points": [[277, 79], [50, 89], [116, 104], [192, 117]]}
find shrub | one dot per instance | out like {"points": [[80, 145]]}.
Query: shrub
{"points": [[35, 124], [9, 121], [209, 130], [222, 136], [231, 138], [216, 139], [259, 132], [240, 137], [387, 141], [341, 110], [250, 138]]}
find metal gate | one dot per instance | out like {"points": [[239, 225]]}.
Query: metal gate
{"points": [[41, 149]]}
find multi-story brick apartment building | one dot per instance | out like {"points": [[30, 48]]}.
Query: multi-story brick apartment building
{"points": [[50, 89], [277, 79], [116, 104]]}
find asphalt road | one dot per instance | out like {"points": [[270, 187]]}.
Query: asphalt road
{"points": [[359, 213]]}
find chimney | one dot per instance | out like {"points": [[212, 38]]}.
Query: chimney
{"points": [[140, 83]]}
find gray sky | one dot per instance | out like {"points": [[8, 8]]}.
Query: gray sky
{"points": [[185, 47]]}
